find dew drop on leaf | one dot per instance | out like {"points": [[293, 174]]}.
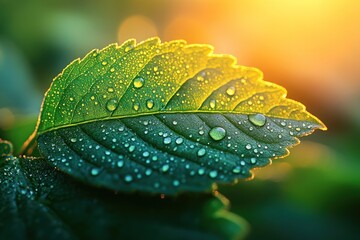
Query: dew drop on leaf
{"points": [[248, 146], [95, 171], [165, 168], [136, 106], [176, 183], [179, 140], [128, 178], [201, 152], [201, 171], [167, 140], [212, 103], [149, 103], [138, 82], [120, 164], [213, 174], [111, 105], [236, 169], [257, 119], [131, 148], [230, 91], [110, 90], [217, 133]]}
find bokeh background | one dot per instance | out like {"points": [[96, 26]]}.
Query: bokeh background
{"points": [[311, 47]]}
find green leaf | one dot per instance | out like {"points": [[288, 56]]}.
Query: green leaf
{"points": [[39, 202], [165, 117]]}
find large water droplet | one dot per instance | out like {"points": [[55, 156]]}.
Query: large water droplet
{"points": [[111, 105], [167, 140], [213, 174], [230, 91], [213, 103], [136, 106], [248, 146], [110, 90], [165, 168], [131, 148], [217, 133], [176, 183], [73, 140], [179, 140], [120, 164], [138, 82], [257, 119], [237, 169], [201, 152], [149, 103], [95, 171], [128, 178]]}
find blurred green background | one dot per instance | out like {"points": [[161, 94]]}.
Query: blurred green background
{"points": [[311, 47]]}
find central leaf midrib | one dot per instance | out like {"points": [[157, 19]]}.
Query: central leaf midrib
{"points": [[155, 113]]}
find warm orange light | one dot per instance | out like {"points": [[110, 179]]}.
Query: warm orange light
{"points": [[138, 27]]}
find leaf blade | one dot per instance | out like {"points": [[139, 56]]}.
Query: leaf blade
{"points": [[166, 83]]}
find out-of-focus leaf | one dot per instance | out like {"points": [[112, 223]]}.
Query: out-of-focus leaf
{"points": [[39, 202]]}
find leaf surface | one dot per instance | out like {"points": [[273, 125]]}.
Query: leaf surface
{"points": [[166, 117], [39, 202]]}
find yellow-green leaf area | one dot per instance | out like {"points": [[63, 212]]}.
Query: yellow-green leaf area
{"points": [[157, 78]]}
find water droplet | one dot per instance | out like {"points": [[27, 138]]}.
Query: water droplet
{"points": [[128, 48], [165, 168], [176, 183], [297, 129], [149, 103], [131, 148], [213, 174], [110, 90], [71, 99], [217, 133], [120, 164], [95, 171], [201, 152], [136, 106], [230, 91], [201, 171], [111, 105], [179, 140], [237, 169], [174, 122], [148, 172], [248, 146], [107, 153], [154, 158], [138, 82], [201, 132], [104, 63], [112, 70], [73, 140], [200, 78], [253, 160], [167, 140], [146, 154], [257, 119], [128, 178], [212, 103]]}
